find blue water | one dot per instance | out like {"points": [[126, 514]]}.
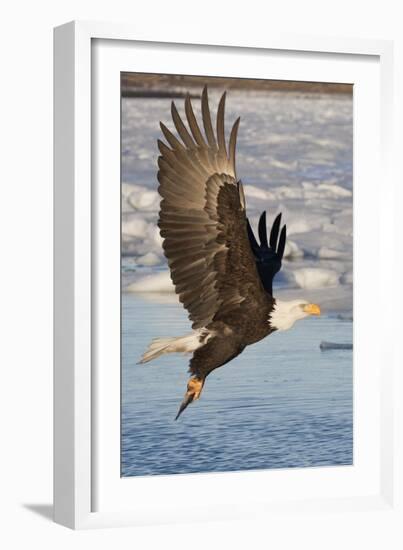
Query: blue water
{"points": [[281, 404]]}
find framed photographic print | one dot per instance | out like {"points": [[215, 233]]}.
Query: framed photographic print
{"points": [[218, 209]]}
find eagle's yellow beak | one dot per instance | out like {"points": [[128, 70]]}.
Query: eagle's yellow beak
{"points": [[312, 309]]}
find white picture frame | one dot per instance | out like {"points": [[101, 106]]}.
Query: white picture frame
{"points": [[87, 491]]}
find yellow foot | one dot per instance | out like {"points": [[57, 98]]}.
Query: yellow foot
{"points": [[194, 389], [195, 386]]}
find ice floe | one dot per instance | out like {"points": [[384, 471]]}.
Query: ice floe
{"points": [[294, 156]]}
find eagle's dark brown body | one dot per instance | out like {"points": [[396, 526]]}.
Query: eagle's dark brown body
{"points": [[236, 325], [228, 343]]}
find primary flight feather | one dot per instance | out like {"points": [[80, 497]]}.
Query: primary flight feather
{"points": [[222, 276]]}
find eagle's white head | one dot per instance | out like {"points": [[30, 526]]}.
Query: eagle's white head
{"points": [[285, 314]]}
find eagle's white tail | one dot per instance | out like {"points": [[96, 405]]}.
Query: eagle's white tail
{"points": [[180, 344]]}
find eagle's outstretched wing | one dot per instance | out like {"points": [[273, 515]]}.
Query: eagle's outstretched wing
{"points": [[268, 254], [202, 218]]}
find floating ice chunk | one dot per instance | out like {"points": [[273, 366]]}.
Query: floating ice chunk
{"points": [[305, 191], [257, 193], [282, 192], [329, 253], [138, 197], [307, 185], [149, 259], [312, 277], [292, 250], [307, 222], [324, 346], [289, 165], [326, 245], [145, 200], [334, 189], [298, 226], [153, 233], [157, 282], [134, 225]]}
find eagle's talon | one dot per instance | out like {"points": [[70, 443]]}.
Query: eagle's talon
{"points": [[194, 389]]}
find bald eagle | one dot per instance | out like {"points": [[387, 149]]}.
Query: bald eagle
{"points": [[222, 274]]}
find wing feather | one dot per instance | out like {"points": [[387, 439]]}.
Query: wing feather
{"points": [[232, 143], [181, 128], [202, 217], [208, 126], [171, 139], [222, 147], [194, 127], [268, 255]]}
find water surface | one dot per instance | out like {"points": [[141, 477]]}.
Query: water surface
{"points": [[281, 404]]}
